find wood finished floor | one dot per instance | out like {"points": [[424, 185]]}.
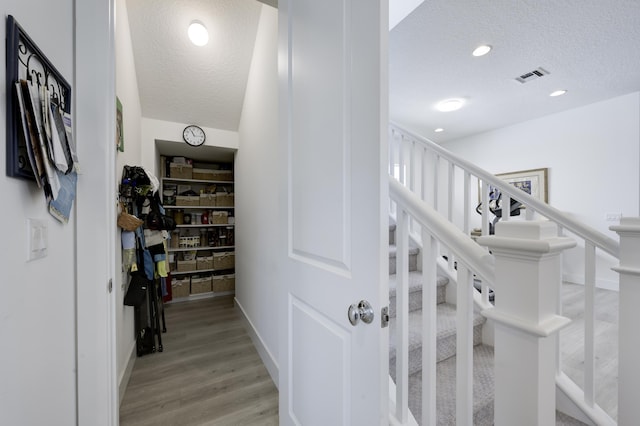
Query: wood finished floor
{"points": [[208, 374], [606, 343]]}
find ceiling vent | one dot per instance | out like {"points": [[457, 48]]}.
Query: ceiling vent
{"points": [[532, 75]]}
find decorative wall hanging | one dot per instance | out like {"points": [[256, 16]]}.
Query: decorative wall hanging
{"points": [[39, 140]]}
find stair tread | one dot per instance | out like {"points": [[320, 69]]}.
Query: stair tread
{"points": [[445, 323], [415, 282], [393, 249], [483, 391]]}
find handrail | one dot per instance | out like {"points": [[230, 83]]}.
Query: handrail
{"points": [[419, 185], [600, 240], [470, 253]]}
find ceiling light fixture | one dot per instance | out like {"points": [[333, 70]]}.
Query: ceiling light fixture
{"points": [[481, 50], [198, 33], [439, 130], [558, 93], [450, 105]]}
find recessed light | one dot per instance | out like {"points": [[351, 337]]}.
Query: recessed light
{"points": [[450, 105], [439, 130], [198, 33], [558, 93], [481, 50]]}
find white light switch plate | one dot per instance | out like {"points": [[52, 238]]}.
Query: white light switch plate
{"points": [[37, 239]]}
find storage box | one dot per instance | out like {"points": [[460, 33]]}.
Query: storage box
{"points": [[200, 285], [222, 283], [186, 265], [224, 200], [187, 200], [203, 174], [204, 262], [223, 175], [180, 287], [218, 217], [224, 260], [169, 195], [189, 242], [180, 171], [208, 200]]}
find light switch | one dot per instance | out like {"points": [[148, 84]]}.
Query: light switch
{"points": [[613, 217], [37, 239]]}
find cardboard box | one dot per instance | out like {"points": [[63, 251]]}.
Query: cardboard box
{"points": [[224, 200], [200, 285], [208, 200], [180, 287], [204, 262], [180, 171], [187, 200], [203, 174], [186, 265], [224, 260], [222, 175], [218, 217], [223, 283]]}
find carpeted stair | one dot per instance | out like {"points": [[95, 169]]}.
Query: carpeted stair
{"points": [[446, 347]]}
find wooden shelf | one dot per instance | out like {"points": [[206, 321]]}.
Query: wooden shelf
{"points": [[200, 271], [175, 250]]}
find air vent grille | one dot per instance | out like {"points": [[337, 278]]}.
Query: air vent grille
{"points": [[532, 75]]}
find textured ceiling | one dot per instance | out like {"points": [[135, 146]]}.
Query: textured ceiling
{"points": [[184, 83], [590, 48]]}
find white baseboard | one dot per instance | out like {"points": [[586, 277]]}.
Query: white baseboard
{"points": [[267, 357], [126, 374]]}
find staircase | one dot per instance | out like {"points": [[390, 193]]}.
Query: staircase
{"points": [[483, 366], [433, 198], [446, 346]]}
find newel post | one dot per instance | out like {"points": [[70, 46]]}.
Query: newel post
{"points": [[527, 280], [629, 321]]}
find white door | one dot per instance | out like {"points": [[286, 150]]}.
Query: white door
{"points": [[333, 121]]}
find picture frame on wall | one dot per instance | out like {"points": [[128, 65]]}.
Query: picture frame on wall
{"points": [[534, 182], [119, 126]]}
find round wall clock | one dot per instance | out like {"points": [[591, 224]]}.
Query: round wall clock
{"points": [[193, 135]]}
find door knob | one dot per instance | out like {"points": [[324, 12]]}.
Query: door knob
{"points": [[362, 311]]}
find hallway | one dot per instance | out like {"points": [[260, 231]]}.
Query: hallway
{"points": [[208, 374]]}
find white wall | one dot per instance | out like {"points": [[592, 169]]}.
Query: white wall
{"points": [[593, 157], [37, 306], [127, 92], [257, 207], [158, 130]]}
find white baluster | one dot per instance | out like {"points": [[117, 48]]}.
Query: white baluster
{"points": [[429, 328], [464, 347], [485, 208], [402, 316], [589, 323]]}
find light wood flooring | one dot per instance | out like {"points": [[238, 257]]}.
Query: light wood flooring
{"points": [[606, 343], [208, 374]]}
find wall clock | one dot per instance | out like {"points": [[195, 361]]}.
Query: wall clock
{"points": [[193, 135]]}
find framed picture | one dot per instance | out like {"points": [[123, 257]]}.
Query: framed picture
{"points": [[119, 126], [533, 182]]}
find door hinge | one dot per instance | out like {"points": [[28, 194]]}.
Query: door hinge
{"points": [[384, 317], [110, 285]]}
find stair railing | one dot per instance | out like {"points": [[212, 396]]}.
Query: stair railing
{"points": [[445, 183], [435, 231]]}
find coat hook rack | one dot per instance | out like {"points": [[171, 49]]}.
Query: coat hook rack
{"points": [[25, 61]]}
